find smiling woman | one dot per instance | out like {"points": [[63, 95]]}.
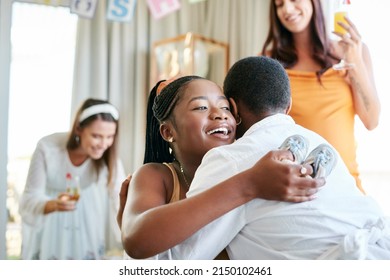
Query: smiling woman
{"points": [[182, 116], [186, 119], [49, 34], [57, 226], [348, 116]]}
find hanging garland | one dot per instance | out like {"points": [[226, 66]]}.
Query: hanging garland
{"points": [[117, 10]]}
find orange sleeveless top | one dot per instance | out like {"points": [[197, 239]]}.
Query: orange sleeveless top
{"points": [[327, 109], [176, 184]]}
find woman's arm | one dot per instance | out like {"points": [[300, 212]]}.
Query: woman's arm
{"points": [[361, 77], [35, 202], [366, 101], [150, 226], [34, 199], [122, 199]]}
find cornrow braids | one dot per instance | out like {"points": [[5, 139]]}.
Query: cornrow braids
{"points": [[154, 143], [167, 99], [159, 109]]}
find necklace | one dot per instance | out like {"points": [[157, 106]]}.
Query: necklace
{"points": [[184, 175]]}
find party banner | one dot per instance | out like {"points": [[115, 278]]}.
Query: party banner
{"points": [[83, 8], [195, 1], [55, 3], [121, 10], [160, 8]]}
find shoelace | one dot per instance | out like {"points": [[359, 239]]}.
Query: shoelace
{"points": [[295, 146], [321, 160], [323, 157]]}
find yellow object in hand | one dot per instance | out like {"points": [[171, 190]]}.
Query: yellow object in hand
{"points": [[340, 17]]}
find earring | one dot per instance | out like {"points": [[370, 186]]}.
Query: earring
{"points": [[239, 122], [77, 139], [170, 139]]}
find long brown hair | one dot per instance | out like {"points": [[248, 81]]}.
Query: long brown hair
{"points": [[109, 157], [280, 44]]}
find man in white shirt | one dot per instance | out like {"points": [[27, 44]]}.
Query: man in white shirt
{"points": [[341, 223]]}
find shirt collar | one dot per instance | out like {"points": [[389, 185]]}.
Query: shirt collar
{"points": [[278, 118]]}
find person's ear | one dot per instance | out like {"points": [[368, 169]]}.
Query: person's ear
{"points": [[289, 106], [78, 131], [166, 132], [234, 110]]}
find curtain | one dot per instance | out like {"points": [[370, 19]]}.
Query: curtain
{"points": [[113, 59], [112, 63]]}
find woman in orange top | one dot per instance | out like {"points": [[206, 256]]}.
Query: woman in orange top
{"points": [[324, 100]]}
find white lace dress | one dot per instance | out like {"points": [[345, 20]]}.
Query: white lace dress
{"points": [[90, 231]]}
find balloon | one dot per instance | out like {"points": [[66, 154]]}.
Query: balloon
{"points": [[176, 59]]}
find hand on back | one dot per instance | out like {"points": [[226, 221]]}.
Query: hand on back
{"points": [[274, 179]]}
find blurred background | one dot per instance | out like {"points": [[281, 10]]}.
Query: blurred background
{"points": [[52, 58]]}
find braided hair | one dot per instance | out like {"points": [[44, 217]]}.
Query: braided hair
{"points": [[159, 109]]}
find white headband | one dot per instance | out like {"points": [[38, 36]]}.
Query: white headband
{"points": [[98, 109]]}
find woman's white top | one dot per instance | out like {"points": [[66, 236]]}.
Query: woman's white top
{"points": [[90, 231]]}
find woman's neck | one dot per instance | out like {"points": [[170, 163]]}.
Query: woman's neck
{"points": [[189, 165], [304, 48], [77, 157]]}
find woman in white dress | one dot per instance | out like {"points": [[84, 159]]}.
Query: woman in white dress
{"points": [[60, 222]]}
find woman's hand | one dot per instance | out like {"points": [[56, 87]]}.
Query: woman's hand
{"points": [[361, 77], [350, 42], [276, 179], [122, 200], [63, 203]]}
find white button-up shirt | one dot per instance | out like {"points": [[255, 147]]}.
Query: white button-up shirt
{"points": [[341, 223]]}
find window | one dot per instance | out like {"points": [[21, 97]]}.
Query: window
{"points": [[43, 42], [373, 152]]}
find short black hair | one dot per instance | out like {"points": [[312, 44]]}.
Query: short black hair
{"points": [[260, 83]]}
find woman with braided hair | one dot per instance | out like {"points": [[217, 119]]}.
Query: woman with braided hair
{"points": [[185, 119]]}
